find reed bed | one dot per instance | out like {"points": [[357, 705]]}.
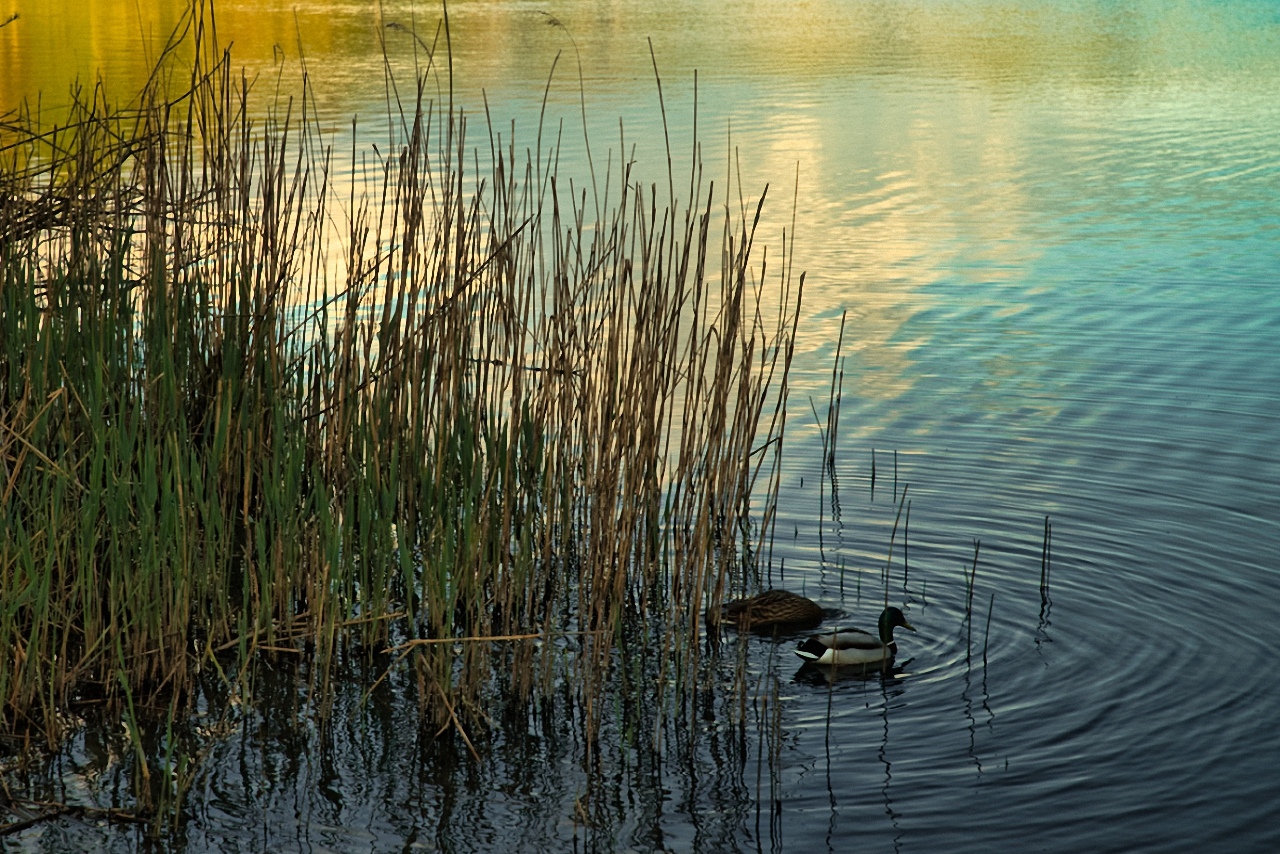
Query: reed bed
{"points": [[500, 429]]}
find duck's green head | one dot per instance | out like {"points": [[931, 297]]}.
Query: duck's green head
{"points": [[891, 619]]}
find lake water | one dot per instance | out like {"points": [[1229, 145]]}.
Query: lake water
{"points": [[1055, 231]]}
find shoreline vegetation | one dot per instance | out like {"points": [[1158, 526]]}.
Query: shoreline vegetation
{"points": [[497, 428]]}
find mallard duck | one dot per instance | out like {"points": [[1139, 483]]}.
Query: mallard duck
{"points": [[772, 609], [854, 646]]}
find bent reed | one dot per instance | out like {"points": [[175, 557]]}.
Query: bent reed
{"points": [[245, 406]]}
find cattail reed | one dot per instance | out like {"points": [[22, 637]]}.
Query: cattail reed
{"points": [[490, 416]]}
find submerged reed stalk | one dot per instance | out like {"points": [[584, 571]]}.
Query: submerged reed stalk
{"points": [[477, 410]]}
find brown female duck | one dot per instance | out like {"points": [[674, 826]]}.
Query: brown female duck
{"points": [[779, 610]]}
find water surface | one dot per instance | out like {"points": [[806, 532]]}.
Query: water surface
{"points": [[1053, 227]]}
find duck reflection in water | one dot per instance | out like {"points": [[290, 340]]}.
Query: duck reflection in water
{"points": [[829, 675]]}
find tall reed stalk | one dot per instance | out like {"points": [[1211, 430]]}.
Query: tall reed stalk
{"points": [[475, 411]]}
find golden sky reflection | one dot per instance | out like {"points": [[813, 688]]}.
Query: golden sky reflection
{"points": [[917, 125], [984, 41]]}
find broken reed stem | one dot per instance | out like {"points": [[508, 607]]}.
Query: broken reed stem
{"points": [[1044, 560], [986, 634], [906, 532], [873, 474], [417, 642], [829, 431], [970, 576], [833, 404], [892, 537]]}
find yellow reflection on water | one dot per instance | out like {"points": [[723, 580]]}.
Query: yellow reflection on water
{"points": [[914, 158], [994, 42], [51, 44]]}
